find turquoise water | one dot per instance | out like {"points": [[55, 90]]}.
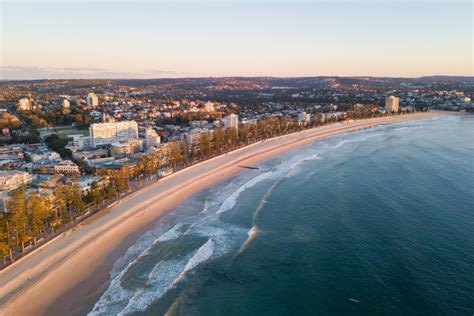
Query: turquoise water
{"points": [[375, 222]]}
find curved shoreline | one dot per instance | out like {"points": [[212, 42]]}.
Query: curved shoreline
{"points": [[79, 261]]}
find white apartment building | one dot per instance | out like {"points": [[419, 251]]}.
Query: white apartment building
{"points": [[92, 100], [24, 104], [193, 137], [126, 147], [66, 167], [392, 104], [119, 149], [103, 134], [80, 141], [152, 138], [12, 180], [231, 121]]}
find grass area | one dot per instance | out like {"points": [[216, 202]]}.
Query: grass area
{"points": [[63, 133]]}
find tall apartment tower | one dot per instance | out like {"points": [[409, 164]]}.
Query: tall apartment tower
{"points": [[92, 100], [103, 134], [392, 104], [231, 120]]}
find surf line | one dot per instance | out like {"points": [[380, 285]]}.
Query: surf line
{"points": [[254, 231]]}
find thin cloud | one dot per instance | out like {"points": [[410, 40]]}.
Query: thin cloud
{"points": [[30, 73], [161, 72]]}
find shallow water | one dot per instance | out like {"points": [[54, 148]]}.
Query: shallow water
{"points": [[374, 222]]}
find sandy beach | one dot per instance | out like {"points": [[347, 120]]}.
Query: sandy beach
{"points": [[67, 275]]}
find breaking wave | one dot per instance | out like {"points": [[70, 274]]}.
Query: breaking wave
{"points": [[203, 254], [232, 199], [164, 276], [171, 234], [252, 234]]}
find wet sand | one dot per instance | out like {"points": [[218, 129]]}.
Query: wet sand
{"points": [[67, 275]]}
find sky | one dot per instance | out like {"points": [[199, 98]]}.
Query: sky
{"points": [[156, 39]]}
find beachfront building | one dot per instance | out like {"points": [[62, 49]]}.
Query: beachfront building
{"points": [[24, 104], [126, 147], [66, 167], [391, 104], [163, 152], [12, 180], [152, 138], [92, 100], [193, 137], [104, 134], [231, 121]]}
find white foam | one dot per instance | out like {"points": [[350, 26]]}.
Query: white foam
{"points": [[299, 162], [114, 296], [229, 203], [171, 234], [313, 157], [205, 208], [143, 244], [160, 280], [358, 139], [342, 143], [203, 254], [225, 237], [407, 127], [164, 276]]}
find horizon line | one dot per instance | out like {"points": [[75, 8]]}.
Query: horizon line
{"points": [[247, 77]]}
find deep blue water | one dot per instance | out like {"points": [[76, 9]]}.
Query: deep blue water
{"points": [[374, 222]]}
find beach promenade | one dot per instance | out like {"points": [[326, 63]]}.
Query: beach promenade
{"points": [[66, 275]]}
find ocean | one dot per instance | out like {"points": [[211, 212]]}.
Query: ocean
{"points": [[379, 221]]}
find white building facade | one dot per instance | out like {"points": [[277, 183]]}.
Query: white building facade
{"points": [[24, 104], [81, 142], [152, 138], [92, 100], [12, 180], [66, 167], [126, 147], [103, 134], [392, 104], [231, 121]]}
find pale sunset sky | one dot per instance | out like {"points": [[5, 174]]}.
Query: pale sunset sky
{"points": [[154, 39]]}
